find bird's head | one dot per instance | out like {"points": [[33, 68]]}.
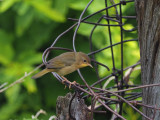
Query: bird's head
{"points": [[83, 60]]}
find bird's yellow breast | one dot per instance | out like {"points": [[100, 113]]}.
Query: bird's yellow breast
{"points": [[66, 70]]}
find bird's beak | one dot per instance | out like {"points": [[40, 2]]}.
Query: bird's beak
{"points": [[90, 65]]}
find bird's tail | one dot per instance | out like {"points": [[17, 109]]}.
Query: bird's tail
{"points": [[41, 73]]}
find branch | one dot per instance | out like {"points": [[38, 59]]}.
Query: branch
{"points": [[19, 80], [38, 113]]}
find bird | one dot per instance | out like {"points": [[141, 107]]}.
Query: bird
{"points": [[65, 63]]}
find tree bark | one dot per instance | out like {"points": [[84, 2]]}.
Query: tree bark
{"points": [[77, 109], [148, 18]]}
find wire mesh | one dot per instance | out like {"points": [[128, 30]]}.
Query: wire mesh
{"points": [[102, 94]]}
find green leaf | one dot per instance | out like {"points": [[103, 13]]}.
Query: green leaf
{"points": [[6, 4], [9, 109], [6, 49], [16, 70], [23, 22], [47, 11], [85, 29], [30, 85], [23, 8], [61, 6], [13, 93], [30, 119], [30, 57], [78, 5]]}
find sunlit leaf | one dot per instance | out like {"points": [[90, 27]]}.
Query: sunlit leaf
{"points": [[78, 5], [47, 11], [6, 4], [61, 6], [30, 85]]}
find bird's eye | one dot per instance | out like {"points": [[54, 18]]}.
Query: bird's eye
{"points": [[84, 60]]}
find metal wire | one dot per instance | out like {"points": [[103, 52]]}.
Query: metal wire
{"points": [[99, 94]]}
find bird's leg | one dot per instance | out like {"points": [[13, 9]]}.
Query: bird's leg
{"points": [[64, 79], [70, 83]]}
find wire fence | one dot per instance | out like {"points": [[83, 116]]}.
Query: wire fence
{"points": [[101, 94], [98, 92]]}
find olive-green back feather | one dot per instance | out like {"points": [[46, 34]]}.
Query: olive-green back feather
{"points": [[63, 60]]}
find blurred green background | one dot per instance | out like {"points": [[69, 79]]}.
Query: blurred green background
{"points": [[28, 27]]}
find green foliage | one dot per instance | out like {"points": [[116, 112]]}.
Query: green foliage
{"points": [[28, 27]]}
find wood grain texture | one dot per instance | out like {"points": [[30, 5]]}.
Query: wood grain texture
{"points": [[148, 18], [78, 108]]}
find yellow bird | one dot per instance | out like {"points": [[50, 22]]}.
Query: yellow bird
{"points": [[65, 63]]}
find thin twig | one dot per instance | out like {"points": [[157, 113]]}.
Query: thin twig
{"points": [[21, 79], [38, 113]]}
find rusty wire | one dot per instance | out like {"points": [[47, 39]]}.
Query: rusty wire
{"points": [[98, 94]]}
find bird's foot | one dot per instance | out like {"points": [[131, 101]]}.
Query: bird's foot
{"points": [[65, 79], [70, 83]]}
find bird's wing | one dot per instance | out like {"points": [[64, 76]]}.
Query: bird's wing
{"points": [[61, 61]]}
